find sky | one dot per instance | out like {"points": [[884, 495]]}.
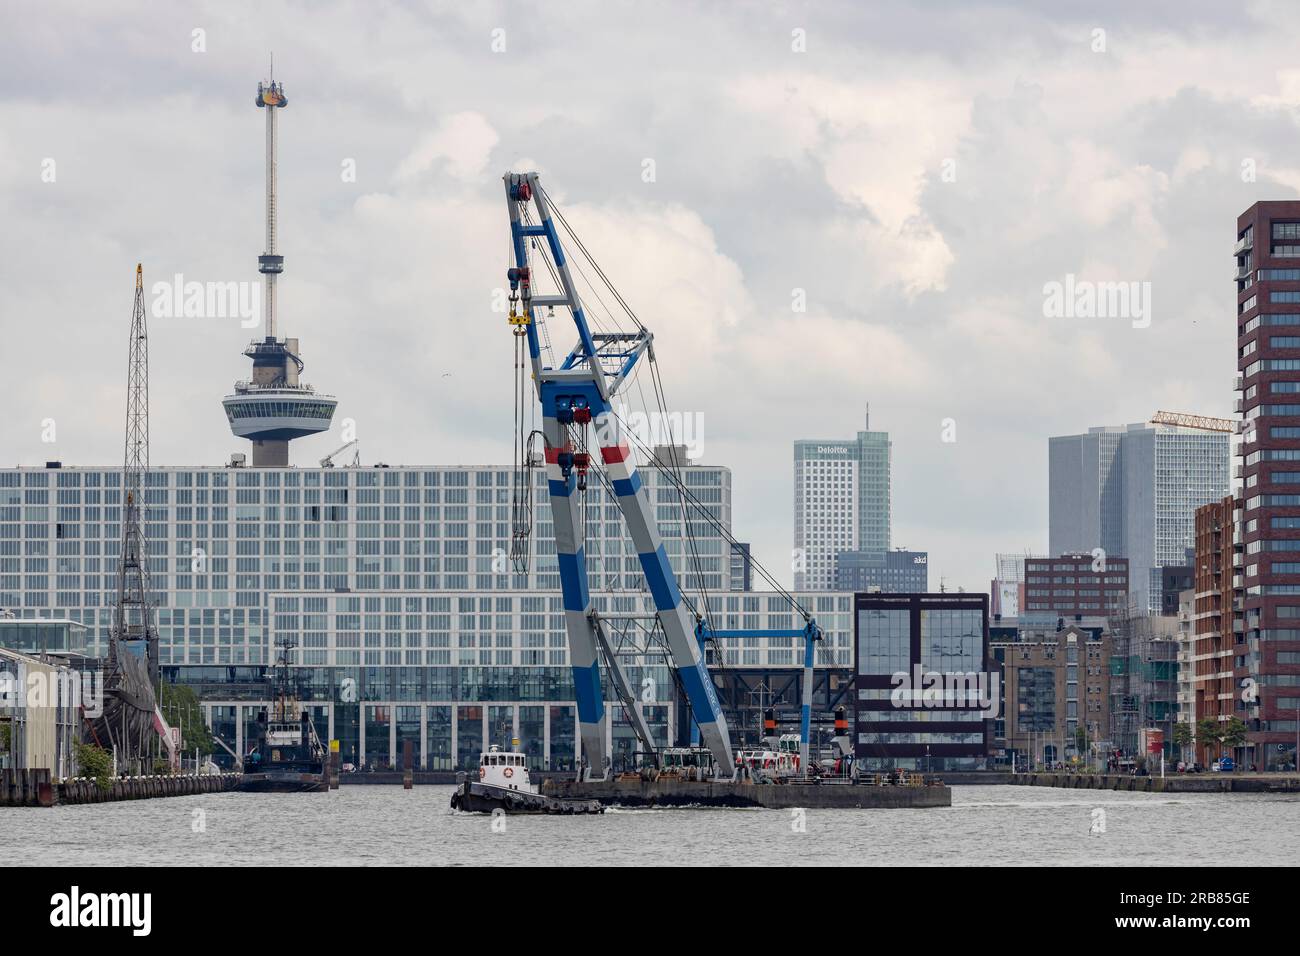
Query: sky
{"points": [[812, 207]]}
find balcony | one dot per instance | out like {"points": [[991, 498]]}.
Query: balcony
{"points": [[1242, 272], [1244, 244], [1240, 384], [1239, 406]]}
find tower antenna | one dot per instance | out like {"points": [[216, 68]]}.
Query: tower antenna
{"points": [[272, 408]]}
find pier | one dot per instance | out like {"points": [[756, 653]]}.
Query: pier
{"points": [[35, 788]]}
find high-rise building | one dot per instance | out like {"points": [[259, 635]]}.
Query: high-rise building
{"points": [[1268, 351], [841, 502], [890, 572], [1133, 492]]}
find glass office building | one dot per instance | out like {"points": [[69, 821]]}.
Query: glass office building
{"points": [[394, 584], [841, 503], [900, 639]]}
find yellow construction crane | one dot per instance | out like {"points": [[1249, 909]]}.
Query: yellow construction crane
{"points": [[1203, 422]]}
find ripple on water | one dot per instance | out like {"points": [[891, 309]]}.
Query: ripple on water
{"points": [[380, 825]]}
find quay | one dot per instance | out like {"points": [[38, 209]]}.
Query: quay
{"points": [[35, 788], [1172, 783]]}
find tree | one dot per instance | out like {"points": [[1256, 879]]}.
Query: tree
{"points": [[1183, 738], [1233, 734], [95, 762], [180, 708], [1209, 732]]}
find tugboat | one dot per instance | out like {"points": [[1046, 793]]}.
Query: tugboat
{"points": [[286, 755], [503, 784]]}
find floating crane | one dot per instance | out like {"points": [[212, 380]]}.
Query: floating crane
{"points": [[583, 436]]}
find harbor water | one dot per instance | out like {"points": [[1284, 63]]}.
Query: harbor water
{"points": [[383, 825]]}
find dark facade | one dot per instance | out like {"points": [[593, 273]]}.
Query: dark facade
{"points": [[893, 572], [900, 638], [1173, 581], [742, 567], [1075, 585], [1268, 354]]}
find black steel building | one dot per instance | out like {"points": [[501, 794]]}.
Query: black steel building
{"points": [[903, 642]]}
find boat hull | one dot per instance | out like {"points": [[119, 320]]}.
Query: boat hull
{"points": [[283, 781], [482, 798]]}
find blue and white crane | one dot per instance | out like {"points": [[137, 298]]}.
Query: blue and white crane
{"points": [[582, 435]]}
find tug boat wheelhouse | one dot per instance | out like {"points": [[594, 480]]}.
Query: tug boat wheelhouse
{"points": [[503, 784]]}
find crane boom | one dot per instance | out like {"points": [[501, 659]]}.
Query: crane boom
{"points": [[576, 406], [1203, 422]]}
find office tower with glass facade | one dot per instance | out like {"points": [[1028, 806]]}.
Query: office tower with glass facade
{"points": [[1133, 492], [841, 503]]}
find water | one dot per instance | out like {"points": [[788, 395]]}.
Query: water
{"points": [[386, 825]]}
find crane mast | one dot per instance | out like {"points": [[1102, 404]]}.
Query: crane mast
{"points": [[577, 416]]}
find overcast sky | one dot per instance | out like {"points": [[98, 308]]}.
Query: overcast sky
{"points": [[920, 174]]}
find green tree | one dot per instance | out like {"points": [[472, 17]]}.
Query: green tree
{"points": [[95, 762], [1233, 734], [1183, 738], [1209, 732], [180, 708]]}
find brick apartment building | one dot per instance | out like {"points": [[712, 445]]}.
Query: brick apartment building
{"points": [[1075, 585], [1267, 255]]}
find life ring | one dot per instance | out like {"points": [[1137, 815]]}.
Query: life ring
{"points": [[482, 772], [509, 772]]}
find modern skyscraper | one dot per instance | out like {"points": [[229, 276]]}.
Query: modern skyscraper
{"points": [[1268, 348], [1133, 492], [841, 502]]}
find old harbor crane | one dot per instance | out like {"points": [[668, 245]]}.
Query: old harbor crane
{"points": [[584, 437]]}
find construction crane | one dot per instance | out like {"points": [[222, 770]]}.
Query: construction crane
{"points": [[1203, 422], [576, 397], [328, 460]]}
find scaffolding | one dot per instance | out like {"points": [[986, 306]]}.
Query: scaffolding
{"points": [[1143, 679]]}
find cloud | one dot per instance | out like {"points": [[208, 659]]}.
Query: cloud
{"points": [[821, 172]]}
